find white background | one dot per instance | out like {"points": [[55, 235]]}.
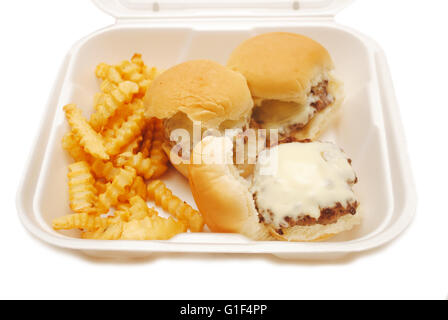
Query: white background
{"points": [[34, 38]]}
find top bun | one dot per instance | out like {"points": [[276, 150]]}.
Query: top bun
{"points": [[280, 65], [202, 90]]}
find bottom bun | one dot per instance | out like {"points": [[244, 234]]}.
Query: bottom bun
{"points": [[318, 232], [175, 160]]}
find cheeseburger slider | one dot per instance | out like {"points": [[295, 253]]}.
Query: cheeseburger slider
{"points": [[200, 91], [291, 80], [299, 191]]}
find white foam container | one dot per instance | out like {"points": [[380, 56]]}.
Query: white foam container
{"points": [[170, 32]]}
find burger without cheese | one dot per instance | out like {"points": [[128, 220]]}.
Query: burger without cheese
{"points": [[198, 91]]}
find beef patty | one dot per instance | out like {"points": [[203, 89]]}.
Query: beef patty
{"points": [[327, 215], [321, 93]]}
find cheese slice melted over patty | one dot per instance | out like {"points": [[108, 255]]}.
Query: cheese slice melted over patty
{"points": [[300, 179]]}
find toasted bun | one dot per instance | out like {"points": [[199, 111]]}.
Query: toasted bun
{"points": [[224, 199], [280, 65], [201, 89]]}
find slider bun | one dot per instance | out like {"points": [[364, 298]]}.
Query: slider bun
{"points": [[203, 90], [224, 199], [175, 160], [280, 65]]}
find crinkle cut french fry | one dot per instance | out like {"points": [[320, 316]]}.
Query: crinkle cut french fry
{"points": [[109, 73], [119, 186], [102, 70], [134, 70], [111, 232], [158, 138], [100, 186], [148, 228], [126, 133], [104, 169], [145, 147], [138, 188], [82, 192], [139, 209], [148, 73], [71, 145], [131, 71], [152, 228], [163, 197], [138, 61], [107, 103], [145, 167], [83, 221], [120, 117], [91, 141], [115, 123], [122, 206], [139, 72], [157, 154], [133, 146]]}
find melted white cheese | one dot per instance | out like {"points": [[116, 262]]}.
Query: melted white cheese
{"points": [[275, 114], [279, 114], [308, 177]]}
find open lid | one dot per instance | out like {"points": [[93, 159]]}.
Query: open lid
{"points": [[159, 9]]}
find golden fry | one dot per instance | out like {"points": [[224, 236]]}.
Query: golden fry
{"points": [[152, 228], [163, 197], [119, 186], [111, 232], [138, 188], [71, 145], [101, 70], [83, 221], [157, 154], [88, 138], [100, 187], [126, 133], [113, 75], [148, 228], [145, 167], [82, 192], [139, 209], [134, 70], [133, 146], [147, 138], [108, 102], [104, 170], [131, 71]]}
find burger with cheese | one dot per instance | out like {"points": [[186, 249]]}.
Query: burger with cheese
{"points": [[299, 191], [291, 79]]}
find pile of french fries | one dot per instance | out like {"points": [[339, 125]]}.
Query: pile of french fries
{"points": [[118, 160]]}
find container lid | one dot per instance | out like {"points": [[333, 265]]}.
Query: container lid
{"points": [[157, 9]]}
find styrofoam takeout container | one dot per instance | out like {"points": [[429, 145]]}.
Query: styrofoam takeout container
{"points": [[169, 32]]}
